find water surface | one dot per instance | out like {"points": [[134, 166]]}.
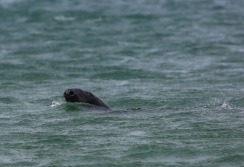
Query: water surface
{"points": [[172, 71]]}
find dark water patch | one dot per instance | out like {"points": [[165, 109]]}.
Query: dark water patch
{"points": [[8, 100], [237, 102], [77, 107], [58, 140], [7, 66], [137, 18], [232, 160], [83, 107], [124, 74], [36, 77]]}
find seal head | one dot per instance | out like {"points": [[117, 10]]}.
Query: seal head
{"points": [[79, 95]]}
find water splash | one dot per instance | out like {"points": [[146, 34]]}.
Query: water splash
{"points": [[216, 102], [56, 103], [226, 105]]}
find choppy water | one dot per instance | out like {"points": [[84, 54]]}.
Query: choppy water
{"points": [[171, 70]]}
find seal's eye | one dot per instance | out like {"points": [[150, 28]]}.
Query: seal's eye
{"points": [[71, 93]]}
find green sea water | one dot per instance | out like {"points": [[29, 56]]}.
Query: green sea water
{"points": [[172, 71]]}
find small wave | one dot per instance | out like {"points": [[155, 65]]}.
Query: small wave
{"points": [[6, 3], [122, 83], [63, 18], [137, 133]]}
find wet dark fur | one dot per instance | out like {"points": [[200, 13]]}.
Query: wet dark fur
{"points": [[78, 95]]}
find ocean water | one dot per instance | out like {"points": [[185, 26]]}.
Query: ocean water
{"points": [[172, 71]]}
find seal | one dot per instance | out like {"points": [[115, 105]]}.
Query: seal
{"points": [[79, 95]]}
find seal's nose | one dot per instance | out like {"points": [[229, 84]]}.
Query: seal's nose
{"points": [[71, 96], [71, 93]]}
